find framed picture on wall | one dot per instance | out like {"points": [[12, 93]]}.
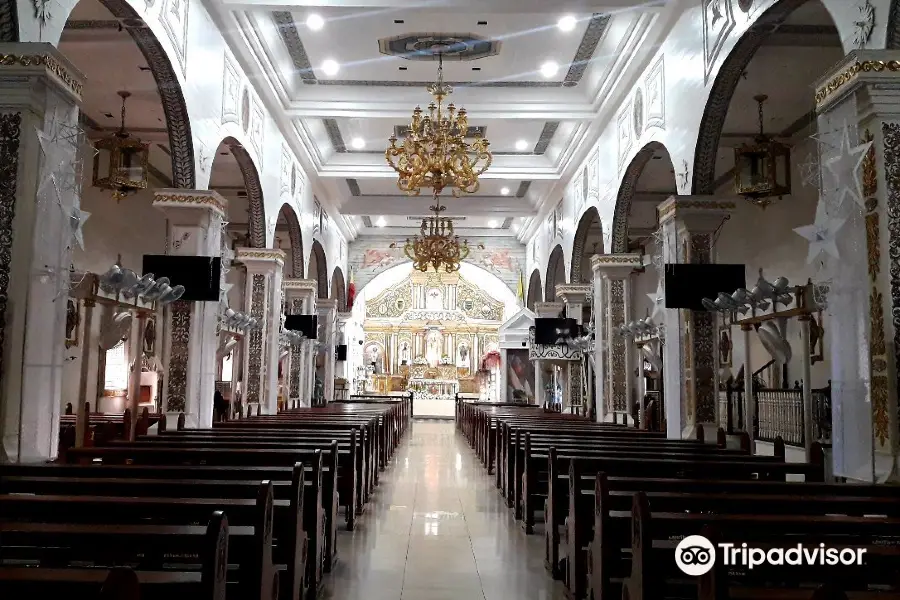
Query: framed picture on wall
{"points": [[73, 323]]}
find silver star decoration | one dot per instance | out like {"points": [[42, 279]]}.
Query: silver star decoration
{"points": [[822, 234], [658, 298], [77, 218], [810, 171], [845, 167]]}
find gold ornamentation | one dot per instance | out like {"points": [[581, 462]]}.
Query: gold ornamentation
{"points": [[850, 73], [879, 407], [616, 260], [873, 251], [244, 254], [121, 160], [213, 201], [47, 61], [876, 319], [870, 178], [435, 153], [436, 247]]}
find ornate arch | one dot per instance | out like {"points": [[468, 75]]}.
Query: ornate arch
{"points": [[253, 185], [339, 289], [892, 42], [626, 193], [9, 21], [298, 267], [581, 236], [554, 265], [704, 176], [321, 274], [534, 290], [181, 142]]}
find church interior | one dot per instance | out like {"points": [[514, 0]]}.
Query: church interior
{"points": [[497, 299]]}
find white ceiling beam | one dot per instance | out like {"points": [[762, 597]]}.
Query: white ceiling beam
{"points": [[381, 172], [478, 6], [403, 110], [470, 206]]}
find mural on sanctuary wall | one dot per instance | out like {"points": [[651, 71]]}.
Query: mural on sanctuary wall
{"points": [[504, 257]]}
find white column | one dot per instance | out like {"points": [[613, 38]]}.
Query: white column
{"points": [[615, 269], [574, 297], [195, 219], [808, 415], [690, 356], [35, 250], [327, 309], [504, 377], [264, 267], [299, 294], [600, 337]]}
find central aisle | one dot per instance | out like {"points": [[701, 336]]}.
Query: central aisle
{"points": [[437, 530]]}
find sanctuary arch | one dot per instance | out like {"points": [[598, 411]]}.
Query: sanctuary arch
{"points": [[429, 334]]}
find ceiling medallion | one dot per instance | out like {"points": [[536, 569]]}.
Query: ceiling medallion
{"points": [[436, 247], [428, 46], [435, 154]]}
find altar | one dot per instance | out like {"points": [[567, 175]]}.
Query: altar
{"points": [[434, 390]]}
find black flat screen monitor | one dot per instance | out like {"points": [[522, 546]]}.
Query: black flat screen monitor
{"points": [[200, 275], [687, 285], [340, 352], [308, 325], [554, 331]]}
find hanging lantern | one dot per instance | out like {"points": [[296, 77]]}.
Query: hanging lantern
{"points": [[120, 164], [762, 170]]}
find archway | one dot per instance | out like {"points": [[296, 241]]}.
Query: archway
{"points": [[649, 176], [177, 123], [556, 273], [720, 95], [318, 268], [339, 289], [253, 189], [287, 219], [534, 290], [588, 241]]}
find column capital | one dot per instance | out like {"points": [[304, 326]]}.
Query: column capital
{"points": [[699, 213], [343, 317], [260, 259], [33, 60], [616, 266], [574, 293], [858, 68], [186, 204], [300, 288], [548, 309], [326, 306]]}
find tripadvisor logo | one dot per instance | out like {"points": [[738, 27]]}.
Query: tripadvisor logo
{"points": [[696, 555]]}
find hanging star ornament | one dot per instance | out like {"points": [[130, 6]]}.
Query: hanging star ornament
{"points": [[658, 299], [77, 219], [846, 167], [822, 234], [810, 171]]}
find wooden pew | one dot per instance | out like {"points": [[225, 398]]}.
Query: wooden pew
{"points": [[250, 546], [654, 576], [55, 547]]}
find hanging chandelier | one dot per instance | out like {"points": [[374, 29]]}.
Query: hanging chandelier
{"points": [[120, 164], [436, 246], [435, 153], [762, 170]]}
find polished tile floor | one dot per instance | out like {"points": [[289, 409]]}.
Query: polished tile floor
{"points": [[437, 529]]}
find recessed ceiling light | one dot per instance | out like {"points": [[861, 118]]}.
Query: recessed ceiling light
{"points": [[567, 23], [315, 22], [504, 191], [516, 228], [358, 143], [381, 222], [521, 145], [331, 67], [492, 223], [549, 69]]}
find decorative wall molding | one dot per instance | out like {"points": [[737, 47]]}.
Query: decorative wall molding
{"points": [[624, 132], [231, 91], [270, 255], [174, 20], [10, 134], [595, 31], [718, 23], [655, 95], [179, 349], [255, 349], [194, 198], [891, 135]]}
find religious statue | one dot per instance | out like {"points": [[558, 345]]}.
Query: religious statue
{"points": [[150, 337], [404, 353], [463, 358], [433, 347], [725, 347]]}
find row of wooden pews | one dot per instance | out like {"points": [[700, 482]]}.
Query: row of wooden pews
{"points": [[616, 501], [99, 428], [247, 509]]}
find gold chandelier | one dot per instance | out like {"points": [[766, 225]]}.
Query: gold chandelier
{"points": [[435, 153], [121, 161], [436, 247]]}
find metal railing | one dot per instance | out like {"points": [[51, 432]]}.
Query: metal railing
{"points": [[779, 413]]}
